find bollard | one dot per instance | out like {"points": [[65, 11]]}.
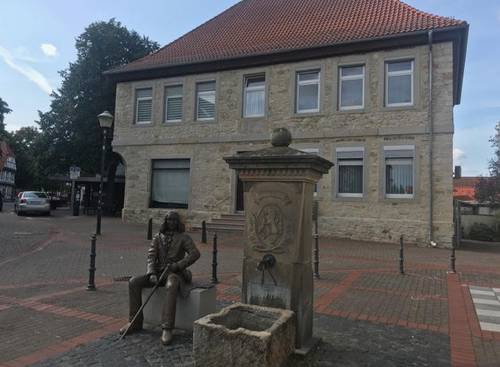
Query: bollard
{"points": [[401, 256], [150, 229], [453, 259], [204, 232], [91, 286], [214, 261], [316, 238]]}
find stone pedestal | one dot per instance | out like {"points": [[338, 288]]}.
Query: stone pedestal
{"points": [[278, 193]]}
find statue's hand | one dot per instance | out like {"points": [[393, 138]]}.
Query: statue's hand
{"points": [[153, 278]]}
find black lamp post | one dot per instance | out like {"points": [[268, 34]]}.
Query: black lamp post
{"points": [[105, 121]]}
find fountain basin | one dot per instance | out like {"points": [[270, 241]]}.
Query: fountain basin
{"points": [[244, 335]]}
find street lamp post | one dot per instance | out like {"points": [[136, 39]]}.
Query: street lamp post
{"points": [[105, 121]]}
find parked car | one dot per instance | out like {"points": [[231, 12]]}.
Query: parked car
{"points": [[32, 202]]}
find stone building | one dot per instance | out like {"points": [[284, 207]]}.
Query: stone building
{"points": [[7, 171], [369, 85]]}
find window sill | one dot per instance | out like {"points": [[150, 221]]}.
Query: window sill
{"points": [[168, 206], [349, 198], [142, 125], [307, 114]]}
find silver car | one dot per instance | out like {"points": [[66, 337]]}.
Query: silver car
{"points": [[32, 202]]}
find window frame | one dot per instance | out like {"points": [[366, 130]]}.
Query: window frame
{"points": [[260, 88], [199, 93], [363, 177], [299, 83], [388, 74], [355, 77], [387, 148], [137, 100], [166, 120], [173, 205]]}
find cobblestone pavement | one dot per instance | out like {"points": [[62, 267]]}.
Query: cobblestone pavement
{"points": [[367, 314]]}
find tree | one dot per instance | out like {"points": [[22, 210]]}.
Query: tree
{"points": [[70, 129], [4, 109], [488, 188], [26, 144]]}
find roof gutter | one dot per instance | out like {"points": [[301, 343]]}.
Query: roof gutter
{"points": [[456, 34]]}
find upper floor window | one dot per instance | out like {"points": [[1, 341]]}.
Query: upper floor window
{"points": [[399, 83], [308, 83], [205, 101], [254, 100], [173, 103], [350, 172], [143, 105], [399, 171], [352, 87]]}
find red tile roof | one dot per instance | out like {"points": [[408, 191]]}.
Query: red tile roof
{"points": [[259, 27], [464, 188]]}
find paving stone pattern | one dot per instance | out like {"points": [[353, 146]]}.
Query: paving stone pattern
{"points": [[487, 305]]}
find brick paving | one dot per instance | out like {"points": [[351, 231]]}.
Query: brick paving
{"points": [[366, 312]]}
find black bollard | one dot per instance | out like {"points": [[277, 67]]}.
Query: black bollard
{"points": [[203, 232], [150, 229], [316, 238], [401, 256], [453, 259], [214, 261], [91, 286]]}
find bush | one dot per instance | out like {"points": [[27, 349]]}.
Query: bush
{"points": [[482, 232]]}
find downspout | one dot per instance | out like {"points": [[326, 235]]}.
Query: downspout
{"points": [[431, 149]]}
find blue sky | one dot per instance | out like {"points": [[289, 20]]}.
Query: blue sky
{"points": [[37, 40]]}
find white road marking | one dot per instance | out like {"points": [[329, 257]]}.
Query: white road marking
{"points": [[489, 313], [482, 293], [486, 301], [490, 327]]}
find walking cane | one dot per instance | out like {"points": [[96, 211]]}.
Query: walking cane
{"points": [[146, 301]]}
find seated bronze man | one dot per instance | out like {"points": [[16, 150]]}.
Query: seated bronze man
{"points": [[173, 248]]}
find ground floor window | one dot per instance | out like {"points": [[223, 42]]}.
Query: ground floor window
{"points": [[350, 172], [170, 183], [399, 172]]}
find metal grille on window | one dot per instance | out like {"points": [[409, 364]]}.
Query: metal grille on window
{"points": [[205, 105], [170, 183], [351, 91], [399, 173], [173, 104], [307, 91], [144, 105], [255, 96], [350, 173]]}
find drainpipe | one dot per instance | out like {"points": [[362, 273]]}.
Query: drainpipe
{"points": [[431, 150]]}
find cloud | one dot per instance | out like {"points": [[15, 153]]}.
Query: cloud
{"points": [[458, 155], [30, 73], [49, 49]]}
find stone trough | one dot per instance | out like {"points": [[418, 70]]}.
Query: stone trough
{"points": [[244, 335]]}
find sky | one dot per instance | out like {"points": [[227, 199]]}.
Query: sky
{"points": [[37, 41]]}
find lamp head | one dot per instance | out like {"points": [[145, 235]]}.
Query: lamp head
{"points": [[105, 120]]}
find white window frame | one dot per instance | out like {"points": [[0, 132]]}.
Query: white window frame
{"points": [[399, 73], [352, 77], [399, 147], [253, 89], [167, 97], [307, 82], [351, 149], [202, 93], [137, 100]]}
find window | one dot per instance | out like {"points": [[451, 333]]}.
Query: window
{"points": [[352, 87], [399, 83], [205, 101], [350, 172], [173, 103], [254, 100], [307, 91], [170, 183], [399, 168], [143, 105]]}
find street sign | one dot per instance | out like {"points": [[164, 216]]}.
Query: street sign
{"points": [[74, 173]]}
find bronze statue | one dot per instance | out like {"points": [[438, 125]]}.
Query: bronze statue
{"points": [[173, 248]]}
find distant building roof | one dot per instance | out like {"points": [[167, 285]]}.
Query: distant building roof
{"points": [[464, 188], [5, 153], [270, 27]]}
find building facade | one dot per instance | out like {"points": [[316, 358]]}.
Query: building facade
{"points": [[7, 171], [381, 110]]}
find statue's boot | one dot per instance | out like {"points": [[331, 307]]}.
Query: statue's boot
{"points": [[133, 328], [166, 336]]}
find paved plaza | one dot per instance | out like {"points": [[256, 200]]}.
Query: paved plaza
{"points": [[366, 313]]}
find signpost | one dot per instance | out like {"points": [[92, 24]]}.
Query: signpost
{"points": [[74, 174]]}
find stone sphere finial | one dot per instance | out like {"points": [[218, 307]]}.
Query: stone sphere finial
{"points": [[281, 137]]}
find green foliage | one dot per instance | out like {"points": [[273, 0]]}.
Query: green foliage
{"points": [[4, 109], [70, 130], [488, 189], [483, 232]]}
